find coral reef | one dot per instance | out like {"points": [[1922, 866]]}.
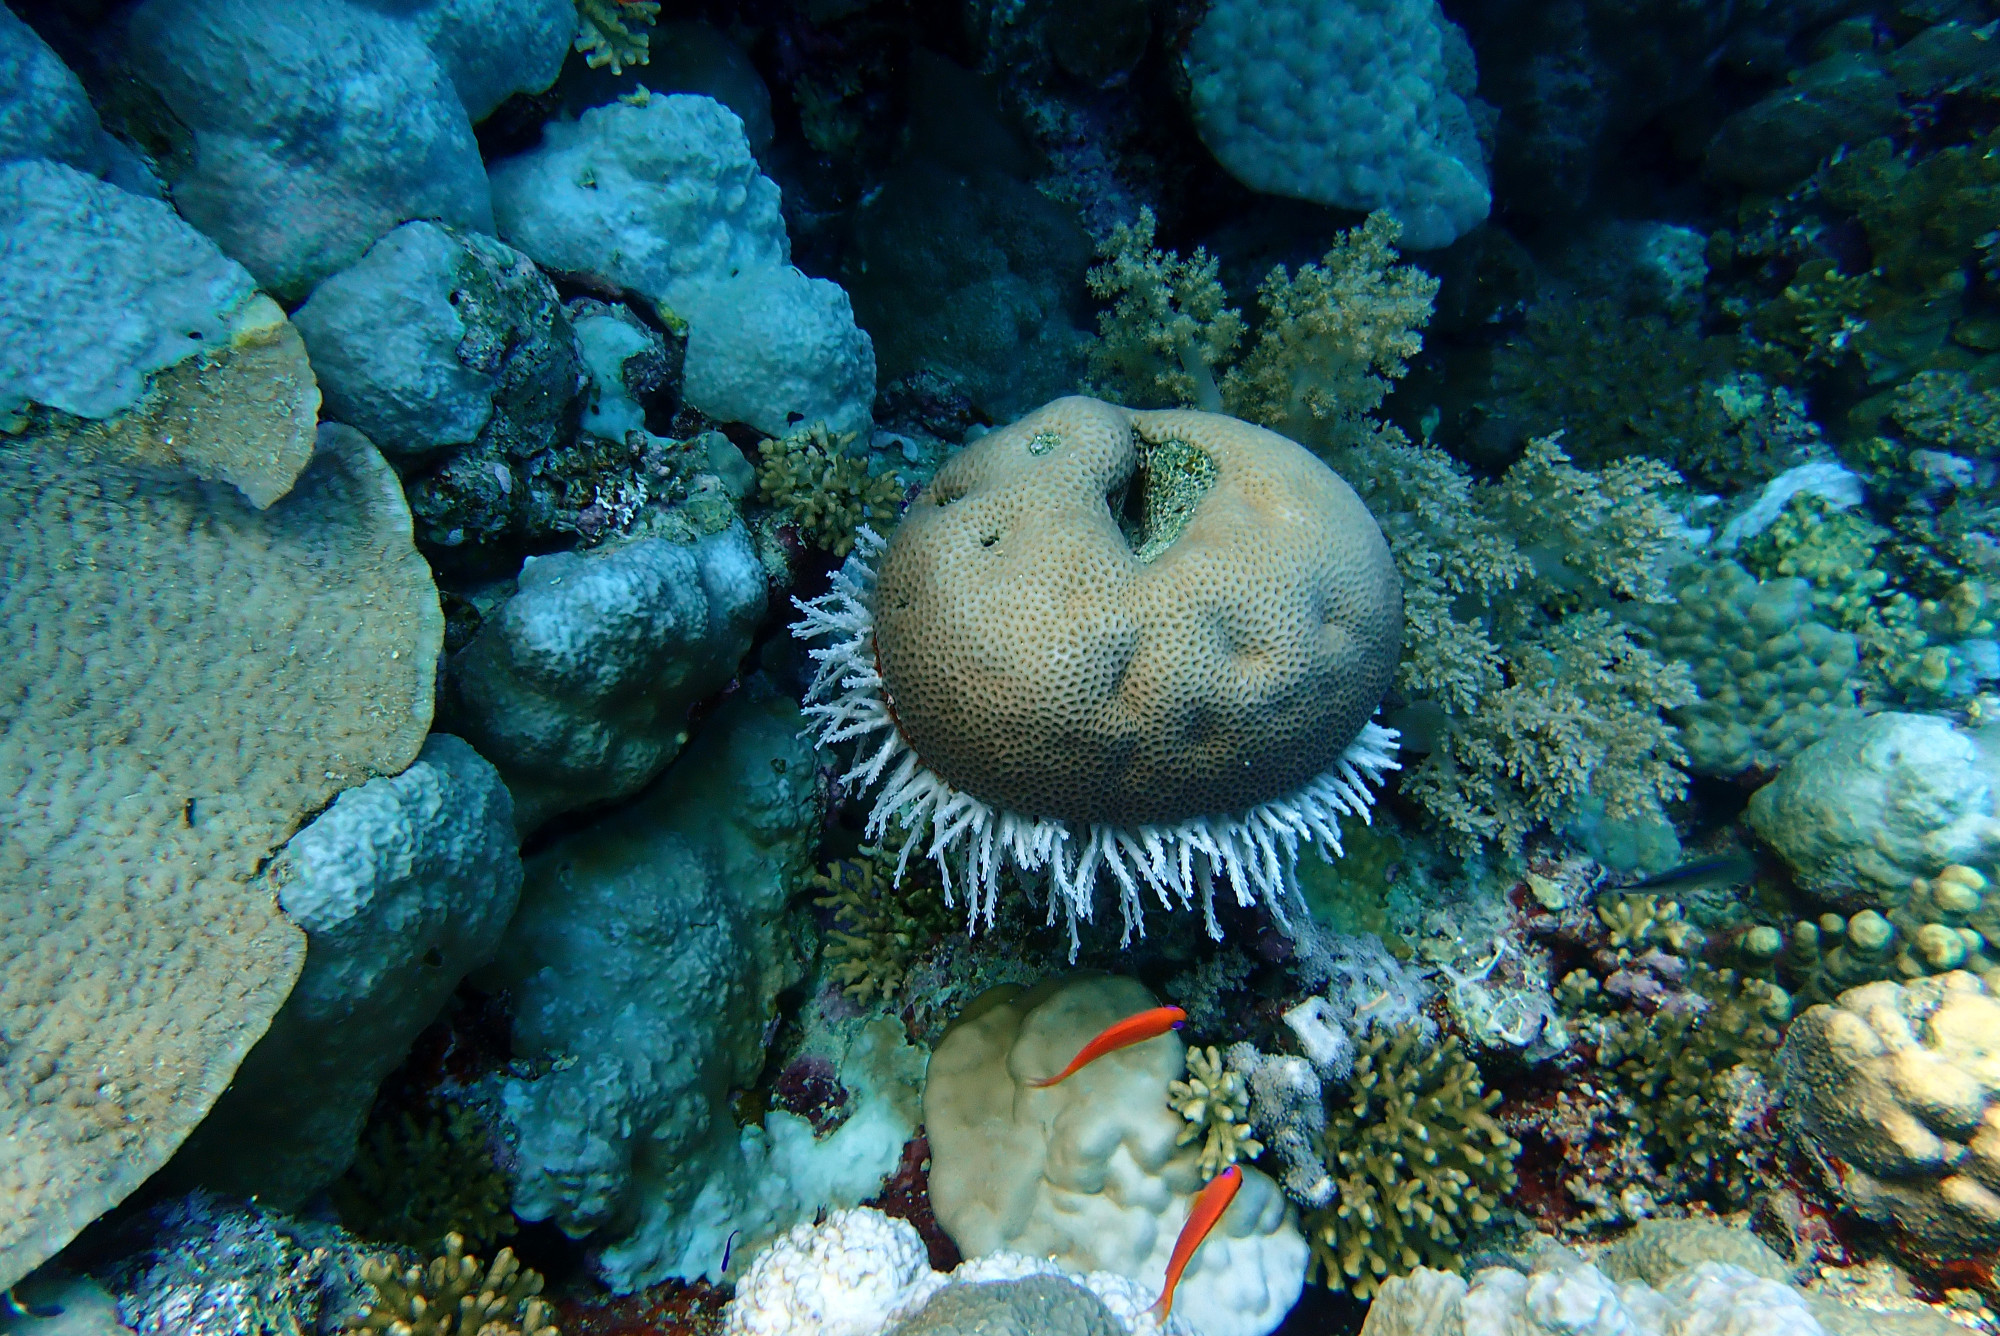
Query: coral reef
{"points": [[424, 1174], [1363, 107], [1892, 1090], [578, 688], [861, 1273], [207, 1266], [879, 924], [613, 32], [1879, 802], [825, 490], [1215, 1101], [191, 679], [983, 625], [1019, 1169], [454, 1296], [402, 887], [1417, 1160]]}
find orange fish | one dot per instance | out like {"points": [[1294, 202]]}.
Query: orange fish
{"points": [[1208, 1209], [1132, 1030]]}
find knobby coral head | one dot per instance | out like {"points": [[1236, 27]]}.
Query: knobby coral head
{"points": [[1147, 643]]}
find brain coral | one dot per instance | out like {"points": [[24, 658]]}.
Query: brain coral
{"points": [[1167, 629], [188, 679]]}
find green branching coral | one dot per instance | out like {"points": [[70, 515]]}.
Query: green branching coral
{"points": [[1329, 340], [825, 491], [1545, 696], [1693, 1075], [1907, 644], [879, 926], [453, 1296], [1418, 1161], [1216, 1104], [1169, 326], [422, 1175], [612, 32]]}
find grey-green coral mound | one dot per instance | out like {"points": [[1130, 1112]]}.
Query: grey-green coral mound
{"points": [[1033, 1306], [1772, 680]]}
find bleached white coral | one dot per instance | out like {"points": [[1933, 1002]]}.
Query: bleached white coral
{"points": [[971, 840]]}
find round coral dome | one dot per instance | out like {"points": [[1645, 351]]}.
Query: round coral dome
{"points": [[1101, 615]]}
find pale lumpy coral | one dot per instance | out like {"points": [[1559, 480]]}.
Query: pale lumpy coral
{"points": [[1101, 615], [1896, 1093]]}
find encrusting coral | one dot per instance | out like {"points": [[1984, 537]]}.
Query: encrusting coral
{"points": [[1417, 1158], [612, 32], [1177, 697], [453, 1296], [827, 492], [1216, 1103]]}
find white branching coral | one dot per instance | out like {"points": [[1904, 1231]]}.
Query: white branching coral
{"points": [[973, 841]]}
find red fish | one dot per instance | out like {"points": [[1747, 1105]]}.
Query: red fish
{"points": [[1208, 1209], [1132, 1030]]}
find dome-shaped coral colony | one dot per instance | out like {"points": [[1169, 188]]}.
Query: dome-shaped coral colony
{"points": [[1142, 643]]}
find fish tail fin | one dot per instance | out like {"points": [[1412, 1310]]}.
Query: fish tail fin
{"points": [[1044, 1082]]}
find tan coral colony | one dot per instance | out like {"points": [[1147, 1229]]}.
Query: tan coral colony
{"points": [[1141, 642]]}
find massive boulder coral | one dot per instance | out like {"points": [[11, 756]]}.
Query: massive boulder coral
{"points": [[1148, 641], [1092, 1173], [1883, 800], [1567, 1295], [1895, 1090], [44, 112], [99, 289], [862, 1273], [403, 886], [664, 199], [318, 126], [190, 678], [645, 964], [579, 688], [1361, 104], [438, 339]]}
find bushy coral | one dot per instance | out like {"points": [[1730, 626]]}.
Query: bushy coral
{"points": [[1508, 590], [423, 1174], [1215, 1101], [1329, 340], [1909, 647], [613, 32], [1169, 327], [880, 924], [1690, 1072], [1418, 1160], [1619, 384], [454, 1296], [1331, 337], [1508, 587], [823, 489]]}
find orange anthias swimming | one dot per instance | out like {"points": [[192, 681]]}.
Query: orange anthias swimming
{"points": [[1132, 1030], [1208, 1209]]}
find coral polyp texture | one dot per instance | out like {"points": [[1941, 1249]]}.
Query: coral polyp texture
{"points": [[1148, 642]]}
